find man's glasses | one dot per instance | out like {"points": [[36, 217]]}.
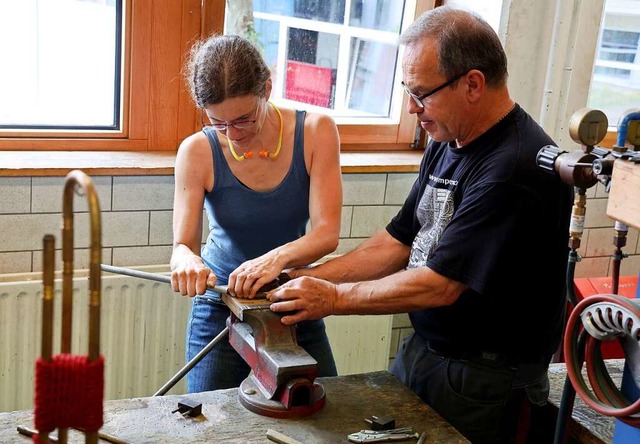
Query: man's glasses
{"points": [[419, 98], [238, 124]]}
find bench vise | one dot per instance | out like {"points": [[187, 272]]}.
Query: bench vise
{"points": [[282, 379]]}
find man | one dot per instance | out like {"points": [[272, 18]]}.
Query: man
{"points": [[477, 254]]}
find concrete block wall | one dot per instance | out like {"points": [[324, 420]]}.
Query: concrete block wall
{"points": [[137, 213]]}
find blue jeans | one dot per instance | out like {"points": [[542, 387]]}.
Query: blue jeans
{"points": [[223, 367], [487, 401]]}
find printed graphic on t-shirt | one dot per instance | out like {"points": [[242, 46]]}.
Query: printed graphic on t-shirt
{"points": [[434, 213]]}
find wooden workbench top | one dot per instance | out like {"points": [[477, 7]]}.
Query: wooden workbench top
{"points": [[350, 399]]}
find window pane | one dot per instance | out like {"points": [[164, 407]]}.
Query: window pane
{"points": [[370, 80], [64, 70], [337, 56], [384, 15], [615, 87], [329, 11]]}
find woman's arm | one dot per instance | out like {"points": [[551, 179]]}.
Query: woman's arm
{"points": [[193, 175]]}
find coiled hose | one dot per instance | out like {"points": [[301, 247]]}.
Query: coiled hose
{"points": [[601, 315]]}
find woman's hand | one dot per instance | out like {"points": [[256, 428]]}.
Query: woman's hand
{"points": [[246, 280], [191, 277]]}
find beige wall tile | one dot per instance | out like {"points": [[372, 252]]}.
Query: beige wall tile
{"points": [[160, 228], [48, 191], [15, 194], [596, 216], [592, 267], [205, 227], [21, 232], [632, 241], [143, 192], [401, 320], [394, 343], [16, 262], [80, 259], [363, 189], [125, 228], [368, 220], [135, 256], [635, 234], [345, 221], [630, 266], [346, 245], [599, 243], [398, 187], [601, 191]]}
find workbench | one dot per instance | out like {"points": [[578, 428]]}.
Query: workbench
{"points": [[350, 399], [586, 426]]}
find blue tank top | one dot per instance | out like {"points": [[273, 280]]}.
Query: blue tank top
{"points": [[243, 223]]}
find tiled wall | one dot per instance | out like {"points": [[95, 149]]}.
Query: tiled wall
{"points": [[136, 221]]}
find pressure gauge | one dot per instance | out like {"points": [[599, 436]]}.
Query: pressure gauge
{"points": [[588, 126]]}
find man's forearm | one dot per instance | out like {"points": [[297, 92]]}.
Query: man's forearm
{"points": [[377, 257], [407, 291]]}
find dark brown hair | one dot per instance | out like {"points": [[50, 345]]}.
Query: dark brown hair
{"points": [[225, 66]]}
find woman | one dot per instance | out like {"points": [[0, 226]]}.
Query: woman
{"points": [[262, 173]]}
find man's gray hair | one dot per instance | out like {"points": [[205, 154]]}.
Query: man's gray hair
{"points": [[464, 40]]}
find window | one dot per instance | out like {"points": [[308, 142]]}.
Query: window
{"points": [[340, 57], [136, 98], [615, 86], [66, 65], [336, 55]]}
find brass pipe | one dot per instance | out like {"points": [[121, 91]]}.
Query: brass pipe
{"points": [[79, 183], [48, 246]]}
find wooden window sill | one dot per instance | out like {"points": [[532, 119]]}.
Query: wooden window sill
{"points": [[149, 163]]}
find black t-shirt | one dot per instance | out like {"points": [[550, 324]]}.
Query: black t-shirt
{"points": [[486, 216]]}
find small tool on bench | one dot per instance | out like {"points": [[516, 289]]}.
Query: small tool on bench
{"points": [[366, 436], [189, 407], [381, 423]]}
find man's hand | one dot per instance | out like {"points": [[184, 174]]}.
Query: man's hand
{"points": [[305, 298]]}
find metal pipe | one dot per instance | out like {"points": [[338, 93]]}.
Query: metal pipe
{"points": [[153, 276], [77, 182], [48, 245], [197, 358]]}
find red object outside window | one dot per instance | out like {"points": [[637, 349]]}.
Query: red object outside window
{"points": [[310, 84]]}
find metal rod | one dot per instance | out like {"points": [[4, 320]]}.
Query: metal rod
{"points": [[153, 276], [30, 433], [105, 436], [48, 243], [197, 358]]}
